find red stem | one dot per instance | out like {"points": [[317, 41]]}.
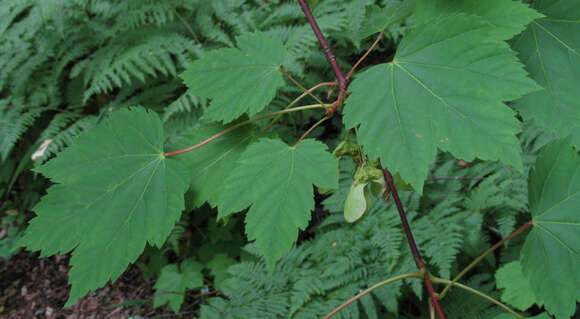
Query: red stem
{"points": [[364, 55], [198, 145], [414, 250], [434, 298], [342, 82]]}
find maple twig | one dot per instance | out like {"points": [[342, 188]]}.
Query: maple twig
{"points": [[205, 294], [235, 126], [482, 256], [342, 81], [296, 100], [455, 178], [300, 85], [312, 128], [478, 293], [364, 55], [411, 240], [370, 289]]}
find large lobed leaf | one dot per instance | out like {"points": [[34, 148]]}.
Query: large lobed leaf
{"points": [[115, 191], [276, 180], [212, 163], [242, 80], [444, 89], [550, 256], [550, 49], [516, 287]]}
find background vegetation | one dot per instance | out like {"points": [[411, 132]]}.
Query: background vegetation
{"points": [[67, 64]]}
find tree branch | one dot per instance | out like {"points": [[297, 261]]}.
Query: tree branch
{"points": [[414, 250], [342, 82]]}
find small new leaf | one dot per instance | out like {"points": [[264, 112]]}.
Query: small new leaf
{"points": [[276, 181], [172, 283], [114, 192], [242, 80], [550, 256]]}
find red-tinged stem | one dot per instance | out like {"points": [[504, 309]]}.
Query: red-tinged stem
{"points": [[298, 100], [365, 55], [342, 82], [434, 298], [482, 256], [370, 289], [455, 178], [233, 127], [311, 129], [299, 85], [414, 250]]}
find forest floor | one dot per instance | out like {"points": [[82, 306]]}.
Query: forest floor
{"points": [[37, 288]]}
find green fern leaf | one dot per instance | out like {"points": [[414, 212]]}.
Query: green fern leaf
{"points": [[115, 192], [551, 254], [439, 92], [238, 80], [280, 192]]}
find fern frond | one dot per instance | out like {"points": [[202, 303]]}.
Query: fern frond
{"points": [[185, 103], [153, 56], [62, 130], [14, 122]]}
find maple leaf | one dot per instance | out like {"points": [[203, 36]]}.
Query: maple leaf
{"points": [[550, 50], [114, 192], [516, 288], [276, 180], [550, 256], [507, 17], [172, 283], [444, 89], [238, 80], [212, 163]]}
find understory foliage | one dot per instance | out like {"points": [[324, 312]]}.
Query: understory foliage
{"points": [[177, 135]]}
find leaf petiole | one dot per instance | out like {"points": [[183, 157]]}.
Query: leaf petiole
{"points": [[233, 127]]}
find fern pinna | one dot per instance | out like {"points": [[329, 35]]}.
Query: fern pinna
{"points": [[489, 83]]}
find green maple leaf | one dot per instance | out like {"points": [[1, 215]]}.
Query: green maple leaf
{"points": [[444, 89], [507, 17], [114, 192], [550, 256], [378, 19], [212, 163], [238, 80], [276, 180], [218, 267], [550, 49], [517, 291], [171, 285]]}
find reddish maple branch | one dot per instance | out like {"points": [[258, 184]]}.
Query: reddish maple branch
{"points": [[482, 256], [414, 250], [342, 81]]}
